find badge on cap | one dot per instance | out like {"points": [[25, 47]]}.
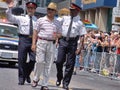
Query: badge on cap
{"points": [[31, 4], [74, 6]]}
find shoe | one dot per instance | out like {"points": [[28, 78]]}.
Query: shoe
{"points": [[81, 68], [28, 80], [21, 83], [65, 87], [74, 73], [93, 70], [35, 83], [58, 83], [44, 88]]}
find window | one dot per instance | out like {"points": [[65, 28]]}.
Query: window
{"points": [[117, 19]]}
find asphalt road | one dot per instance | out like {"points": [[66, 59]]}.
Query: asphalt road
{"points": [[82, 81]]}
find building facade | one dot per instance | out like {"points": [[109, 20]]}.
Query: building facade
{"points": [[3, 7], [103, 13], [116, 16], [99, 12]]}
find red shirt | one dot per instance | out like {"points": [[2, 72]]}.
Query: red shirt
{"points": [[118, 50]]}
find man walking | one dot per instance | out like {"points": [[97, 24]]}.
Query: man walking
{"points": [[25, 24], [72, 29], [47, 30]]}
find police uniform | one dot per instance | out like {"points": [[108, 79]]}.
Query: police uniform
{"points": [[25, 41], [68, 48]]}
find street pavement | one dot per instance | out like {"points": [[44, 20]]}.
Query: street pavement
{"points": [[82, 81]]}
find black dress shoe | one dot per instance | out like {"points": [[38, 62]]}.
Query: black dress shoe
{"points": [[21, 83], [28, 80], [44, 88], [74, 73], [58, 83], [65, 87]]}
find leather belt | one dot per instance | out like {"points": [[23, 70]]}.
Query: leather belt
{"points": [[26, 36], [71, 38], [45, 39]]}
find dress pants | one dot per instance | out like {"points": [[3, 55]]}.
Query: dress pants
{"points": [[24, 49], [44, 59], [66, 54]]}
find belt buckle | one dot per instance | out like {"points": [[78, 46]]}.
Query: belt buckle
{"points": [[44, 39], [48, 39], [73, 37], [30, 36]]}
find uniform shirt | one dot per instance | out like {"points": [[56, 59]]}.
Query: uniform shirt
{"points": [[22, 21], [77, 28], [47, 28]]}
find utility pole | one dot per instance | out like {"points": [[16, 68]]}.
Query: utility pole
{"points": [[24, 6], [70, 1]]}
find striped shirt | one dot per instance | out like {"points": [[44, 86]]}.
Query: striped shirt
{"points": [[77, 28], [47, 28]]}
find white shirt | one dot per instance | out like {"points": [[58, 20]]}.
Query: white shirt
{"points": [[77, 28], [22, 21]]}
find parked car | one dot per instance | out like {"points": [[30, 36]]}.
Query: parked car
{"points": [[8, 43]]}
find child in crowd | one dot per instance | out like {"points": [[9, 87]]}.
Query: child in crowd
{"points": [[77, 62]]}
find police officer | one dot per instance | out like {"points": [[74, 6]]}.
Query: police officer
{"points": [[67, 46], [25, 40]]}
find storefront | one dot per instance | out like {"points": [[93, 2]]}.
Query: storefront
{"points": [[98, 12]]}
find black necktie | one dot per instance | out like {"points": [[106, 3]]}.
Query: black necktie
{"points": [[69, 29], [31, 26]]}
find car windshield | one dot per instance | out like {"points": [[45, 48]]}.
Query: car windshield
{"points": [[8, 31]]}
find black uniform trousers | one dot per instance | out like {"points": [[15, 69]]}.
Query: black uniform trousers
{"points": [[24, 49], [66, 53]]}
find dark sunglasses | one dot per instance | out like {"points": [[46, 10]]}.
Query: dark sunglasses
{"points": [[51, 9]]}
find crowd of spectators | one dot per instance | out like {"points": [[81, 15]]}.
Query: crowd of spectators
{"points": [[101, 52]]}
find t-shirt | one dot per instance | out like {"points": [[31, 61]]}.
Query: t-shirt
{"points": [[118, 51]]}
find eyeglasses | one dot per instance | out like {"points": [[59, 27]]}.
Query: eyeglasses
{"points": [[51, 9]]}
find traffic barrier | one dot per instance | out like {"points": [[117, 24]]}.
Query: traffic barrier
{"points": [[102, 63]]}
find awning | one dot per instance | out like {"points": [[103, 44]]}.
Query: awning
{"points": [[91, 26]]}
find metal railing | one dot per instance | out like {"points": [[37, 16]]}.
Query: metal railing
{"points": [[102, 63]]}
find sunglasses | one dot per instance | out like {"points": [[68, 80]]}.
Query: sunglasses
{"points": [[51, 9]]}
